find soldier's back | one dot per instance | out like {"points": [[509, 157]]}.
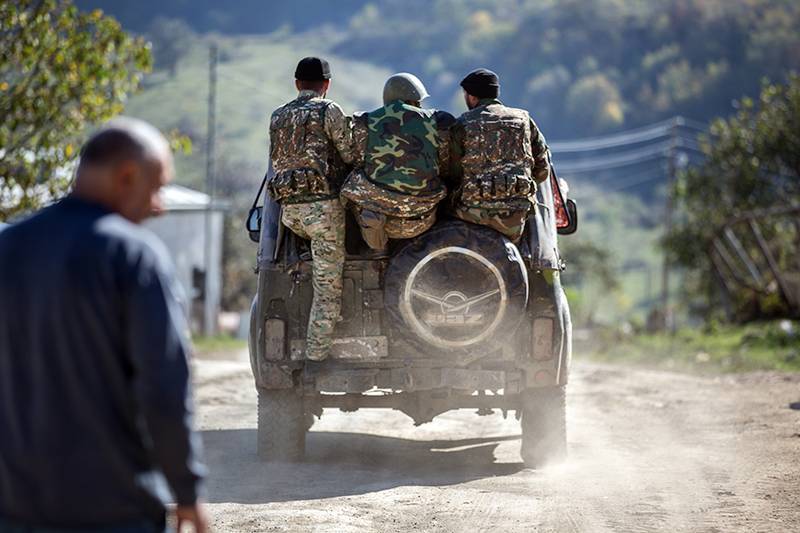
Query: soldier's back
{"points": [[402, 149], [302, 154]]}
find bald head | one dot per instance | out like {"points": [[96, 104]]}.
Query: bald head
{"points": [[123, 166]]}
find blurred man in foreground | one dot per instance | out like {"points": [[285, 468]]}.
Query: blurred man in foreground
{"points": [[95, 399], [499, 156], [400, 152]]}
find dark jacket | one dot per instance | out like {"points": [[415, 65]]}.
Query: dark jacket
{"points": [[95, 405]]}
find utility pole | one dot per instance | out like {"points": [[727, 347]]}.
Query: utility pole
{"points": [[669, 210], [210, 290]]}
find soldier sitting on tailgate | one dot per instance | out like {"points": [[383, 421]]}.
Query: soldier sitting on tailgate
{"points": [[309, 141], [498, 156], [400, 152]]}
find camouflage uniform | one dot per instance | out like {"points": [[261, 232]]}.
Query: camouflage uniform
{"points": [[309, 144], [399, 151], [498, 156]]}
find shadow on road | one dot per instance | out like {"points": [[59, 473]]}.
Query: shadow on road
{"points": [[343, 464]]}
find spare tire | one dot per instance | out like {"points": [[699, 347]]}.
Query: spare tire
{"points": [[457, 288]]}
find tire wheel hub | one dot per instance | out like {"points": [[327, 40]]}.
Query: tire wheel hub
{"points": [[454, 298]]}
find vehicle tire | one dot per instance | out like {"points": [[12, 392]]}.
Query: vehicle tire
{"points": [[282, 425], [544, 426], [457, 288]]}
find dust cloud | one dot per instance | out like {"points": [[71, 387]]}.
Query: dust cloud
{"points": [[649, 451]]}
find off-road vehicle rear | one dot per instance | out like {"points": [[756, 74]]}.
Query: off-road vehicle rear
{"points": [[458, 317]]}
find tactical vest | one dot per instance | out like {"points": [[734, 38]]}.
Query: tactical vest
{"points": [[402, 149], [303, 157], [497, 158]]}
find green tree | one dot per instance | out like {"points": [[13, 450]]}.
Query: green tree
{"points": [[171, 39], [570, 62], [60, 70], [596, 102], [752, 163]]}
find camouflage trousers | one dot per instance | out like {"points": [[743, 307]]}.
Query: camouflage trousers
{"points": [[384, 214], [322, 223], [377, 228], [510, 223]]}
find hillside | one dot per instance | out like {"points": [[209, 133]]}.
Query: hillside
{"points": [[255, 75], [234, 17], [595, 66], [582, 67]]}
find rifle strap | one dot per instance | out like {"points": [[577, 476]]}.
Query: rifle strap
{"points": [[260, 190]]}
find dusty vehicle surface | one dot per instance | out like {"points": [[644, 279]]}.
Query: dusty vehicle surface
{"points": [[456, 318]]}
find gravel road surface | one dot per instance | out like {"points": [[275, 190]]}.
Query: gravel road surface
{"points": [[649, 451]]}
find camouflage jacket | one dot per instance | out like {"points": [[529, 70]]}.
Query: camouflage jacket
{"points": [[310, 145], [403, 148], [498, 155]]}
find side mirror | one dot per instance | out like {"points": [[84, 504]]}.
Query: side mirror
{"points": [[253, 223], [572, 214]]}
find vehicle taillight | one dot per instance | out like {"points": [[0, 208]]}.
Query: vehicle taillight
{"points": [[542, 348], [274, 339]]}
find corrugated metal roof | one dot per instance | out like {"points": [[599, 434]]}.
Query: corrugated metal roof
{"points": [[180, 198], [175, 198]]}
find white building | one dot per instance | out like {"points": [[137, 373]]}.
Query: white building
{"points": [[184, 227]]}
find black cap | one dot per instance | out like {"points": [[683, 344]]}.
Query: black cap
{"points": [[482, 83], [312, 69]]}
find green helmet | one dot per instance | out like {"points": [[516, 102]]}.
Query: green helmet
{"points": [[404, 86]]}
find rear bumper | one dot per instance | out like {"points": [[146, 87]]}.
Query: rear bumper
{"points": [[360, 364], [338, 379], [421, 406]]}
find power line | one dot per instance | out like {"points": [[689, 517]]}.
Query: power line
{"points": [[579, 146], [611, 141], [692, 124], [630, 157], [627, 158], [635, 136], [607, 162]]}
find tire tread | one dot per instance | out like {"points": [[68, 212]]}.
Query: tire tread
{"points": [[544, 426], [282, 425]]}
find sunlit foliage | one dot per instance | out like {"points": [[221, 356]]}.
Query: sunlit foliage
{"points": [[588, 67], [753, 163], [60, 70]]}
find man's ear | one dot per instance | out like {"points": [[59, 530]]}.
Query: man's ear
{"points": [[326, 86], [297, 85], [125, 174]]}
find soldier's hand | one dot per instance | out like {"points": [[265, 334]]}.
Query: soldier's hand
{"points": [[194, 516]]}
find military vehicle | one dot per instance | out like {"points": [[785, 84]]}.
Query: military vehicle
{"points": [[456, 318]]}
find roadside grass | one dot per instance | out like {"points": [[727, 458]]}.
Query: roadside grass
{"points": [[217, 344], [752, 347]]}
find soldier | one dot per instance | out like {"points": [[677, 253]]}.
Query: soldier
{"points": [[309, 141], [498, 157], [400, 150]]}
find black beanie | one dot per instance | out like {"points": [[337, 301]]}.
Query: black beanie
{"points": [[312, 69], [482, 83]]}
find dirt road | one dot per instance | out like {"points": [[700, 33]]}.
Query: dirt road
{"points": [[649, 451]]}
